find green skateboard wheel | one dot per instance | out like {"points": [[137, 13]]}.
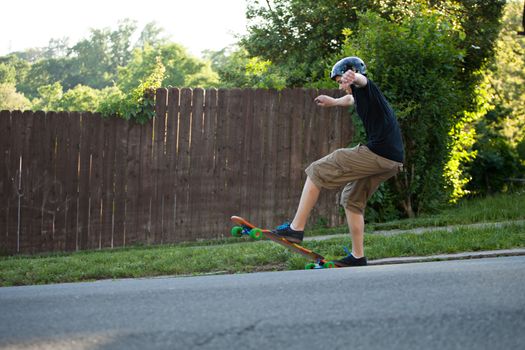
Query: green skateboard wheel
{"points": [[329, 265], [256, 233], [309, 266], [236, 231]]}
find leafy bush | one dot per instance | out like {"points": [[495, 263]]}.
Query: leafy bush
{"points": [[139, 103], [416, 63], [496, 161]]}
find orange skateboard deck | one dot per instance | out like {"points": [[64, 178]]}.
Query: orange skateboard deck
{"points": [[247, 228]]}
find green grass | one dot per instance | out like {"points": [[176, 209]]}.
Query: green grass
{"points": [[501, 207], [241, 255]]}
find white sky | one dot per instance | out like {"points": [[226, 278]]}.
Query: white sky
{"points": [[196, 24]]}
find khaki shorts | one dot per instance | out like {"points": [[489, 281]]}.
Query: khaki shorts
{"points": [[358, 169]]}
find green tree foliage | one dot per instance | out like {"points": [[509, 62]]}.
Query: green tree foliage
{"points": [[10, 99], [49, 97], [97, 58], [506, 74], [500, 131], [496, 160], [237, 70], [151, 35], [7, 74], [138, 103], [299, 35], [416, 63], [181, 69]]}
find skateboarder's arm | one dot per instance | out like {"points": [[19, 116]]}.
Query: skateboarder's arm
{"points": [[327, 101]]}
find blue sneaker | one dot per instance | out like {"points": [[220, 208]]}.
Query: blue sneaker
{"points": [[285, 231]]}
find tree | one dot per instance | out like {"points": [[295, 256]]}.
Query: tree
{"points": [[136, 103], [7, 74], [181, 69], [237, 70], [46, 72], [299, 35], [13, 63], [49, 97], [10, 99], [80, 98], [501, 128], [416, 62], [506, 75], [496, 160], [151, 35]]}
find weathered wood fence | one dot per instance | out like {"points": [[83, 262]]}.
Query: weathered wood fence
{"points": [[73, 181]]}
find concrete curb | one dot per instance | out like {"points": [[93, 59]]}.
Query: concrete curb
{"points": [[443, 257], [422, 230]]}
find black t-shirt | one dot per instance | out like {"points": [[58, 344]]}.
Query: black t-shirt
{"points": [[382, 130]]}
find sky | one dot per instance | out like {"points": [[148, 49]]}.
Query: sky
{"points": [[196, 24]]}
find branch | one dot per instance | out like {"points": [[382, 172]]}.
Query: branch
{"points": [[269, 6]]}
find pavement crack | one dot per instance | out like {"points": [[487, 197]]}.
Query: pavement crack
{"points": [[239, 332]]}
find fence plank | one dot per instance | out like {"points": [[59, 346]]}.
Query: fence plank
{"points": [[108, 183], [146, 183], [248, 166], [235, 125], [171, 158], [196, 196], [183, 171], [131, 231], [270, 158], [283, 207], [5, 179], [14, 185], [58, 194], [95, 181], [70, 180], [29, 227], [220, 191], [297, 175], [159, 165], [121, 162], [86, 137], [28, 236], [209, 149]]}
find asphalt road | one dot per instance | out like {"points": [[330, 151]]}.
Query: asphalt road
{"points": [[468, 304]]}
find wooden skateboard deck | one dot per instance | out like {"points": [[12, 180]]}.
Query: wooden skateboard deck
{"points": [[247, 228]]}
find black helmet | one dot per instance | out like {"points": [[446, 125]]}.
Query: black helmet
{"points": [[354, 63]]}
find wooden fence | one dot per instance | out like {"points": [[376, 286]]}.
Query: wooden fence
{"points": [[74, 181]]}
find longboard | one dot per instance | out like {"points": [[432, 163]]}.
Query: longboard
{"points": [[247, 228]]}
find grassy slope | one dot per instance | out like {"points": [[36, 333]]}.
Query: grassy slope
{"points": [[247, 256]]}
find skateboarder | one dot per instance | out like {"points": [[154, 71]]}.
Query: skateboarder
{"points": [[359, 170]]}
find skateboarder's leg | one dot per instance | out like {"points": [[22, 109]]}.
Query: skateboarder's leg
{"points": [[308, 199], [354, 197], [356, 225]]}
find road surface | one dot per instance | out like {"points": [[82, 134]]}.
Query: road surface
{"points": [[468, 304]]}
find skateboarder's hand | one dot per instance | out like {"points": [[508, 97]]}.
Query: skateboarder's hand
{"points": [[348, 78], [325, 101]]}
